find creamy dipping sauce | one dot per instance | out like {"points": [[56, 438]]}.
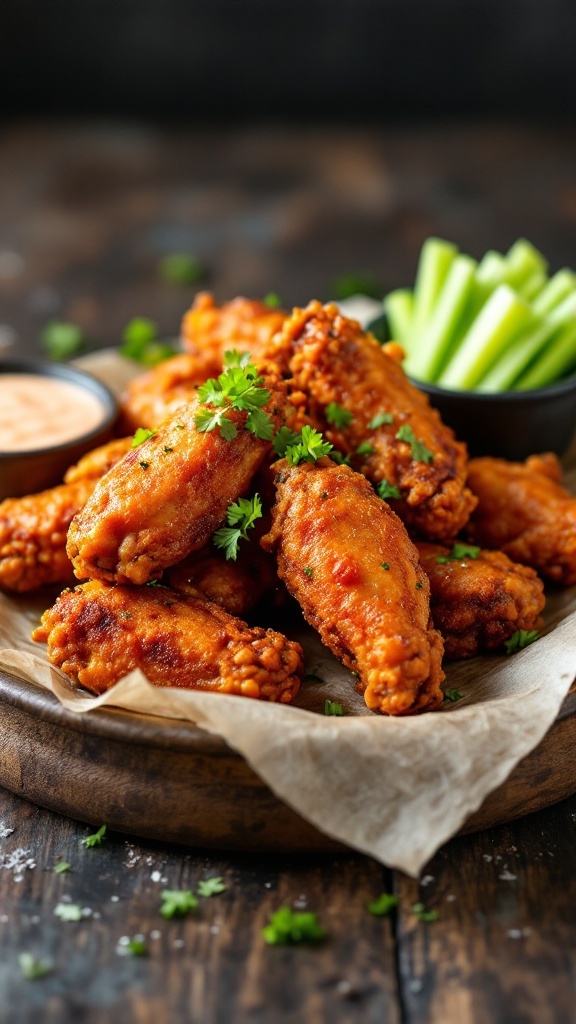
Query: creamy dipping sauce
{"points": [[43, 412]]}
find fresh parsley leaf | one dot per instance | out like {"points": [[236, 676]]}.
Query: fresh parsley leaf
{"points": [[382, 906], [384, 565], [206, 420], [96, 839], [310, 448], [459, 552], [137, 947], [365, 449], [177, 902], [260, 424], [381, 419], [385, 490], [421, 914], [337, 416], [232, 357], [289, 927], [62, 340], [453, 695], [32, 968], [241, 517], [520, 639], [331, 707], [141, 435], [308, 572], [238, 387], [144, 465], [137, 334], [339, 459], [284, 437], [420, 453], [68, 911], [61, 867], [181, 268], [211, 887], [272, 300]]}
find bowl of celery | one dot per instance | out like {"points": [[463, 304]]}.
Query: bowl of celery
{"points": [[493, 343]]}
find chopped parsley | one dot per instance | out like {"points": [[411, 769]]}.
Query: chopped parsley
{"points": [[421, 914], [337, 416], [144, 465], [284, 437], [420, 453], [32, 968], [62, 340], [211, 886], [520, 639], [96, 839], [331, 707], [181, 268], [167, 448], [381, 419], [453, 695], [68, 912], [459, 551], [309, 448], [365, 449], [324, 495], [177, 902], [272, 300], [384, 565], [382, 906], [289, 927], [141, 435], [241, 516], [385, 490], [137, 947], [419, 585], [308, 572], [238, 387], [139, 342], [61, 867], [339, 459]]}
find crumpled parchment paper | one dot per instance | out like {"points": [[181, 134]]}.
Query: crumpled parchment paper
{"points": [[393, 788]]}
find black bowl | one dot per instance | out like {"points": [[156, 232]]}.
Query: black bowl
{"points": [[511, 424], [26, 472]]}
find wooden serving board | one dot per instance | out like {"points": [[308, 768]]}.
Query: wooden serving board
{"points": [[169, 780]]}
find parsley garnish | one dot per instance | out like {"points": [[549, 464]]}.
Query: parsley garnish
{"points": [[241, 516], [284, 437], [337, 416], [331, 707], [137, 947], [61, 340], [288, 927], [458, 552], [32, 968], [181, 268], [453, 695], [96, 839], [365, 449], [144, 465], [238, 387], [419, 585], [272, 300], [309, 448], [167, 448], [420, 453], [521, 638], [421, 914], [68, 912], [61, 867], [384, 565], [339, 459], [308, 572], [139, 342], [141, 435], [382, 906], [211, 887], [177, 902], [381, 419], [385, 490]]}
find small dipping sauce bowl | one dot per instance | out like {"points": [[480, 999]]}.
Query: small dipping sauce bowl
{"points": [[509, 424], [50, 415]]}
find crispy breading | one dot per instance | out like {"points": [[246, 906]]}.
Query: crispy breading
{"points": [[154, 395], [96, 463], [246, 325], [478, 603], [166, 497], [237, 586], [348, 561], [97, 634], [332, 360], [524, 510]]}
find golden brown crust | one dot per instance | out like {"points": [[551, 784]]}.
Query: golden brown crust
{"points": [[478, 603], [96, 463], [347, 559], [152, 397], [332, 360], [237, 586], [524, 511], [97, 634], [246, 325]]}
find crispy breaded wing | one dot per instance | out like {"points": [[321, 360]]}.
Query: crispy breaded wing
{"points": [[166, 497], [97, 634], [334, 362], [246, 325], [348, 561], [236, 586], [33, 529], [524, 510], [478, 603], [153, 396]]}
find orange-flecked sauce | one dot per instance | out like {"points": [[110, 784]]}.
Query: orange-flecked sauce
{"points": [[42, 412]]}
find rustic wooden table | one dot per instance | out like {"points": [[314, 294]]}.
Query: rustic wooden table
{"points": [[85, 213]]}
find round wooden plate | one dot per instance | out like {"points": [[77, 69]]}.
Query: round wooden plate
{"points": [[169, 780]]}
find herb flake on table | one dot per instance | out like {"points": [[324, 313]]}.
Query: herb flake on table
{"points": [[137, 947], [61, 867], [61, 340], [211, 886], [32, 968], [140, 342], [452, 695], [96, 838], [421, 914], [289, 927], [272, 300], [177, 902], [520, 639], [241, 516], [181, 268], [332, 707], [68, 912], [382, 905]]}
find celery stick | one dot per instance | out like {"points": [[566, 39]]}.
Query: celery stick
{"points": [[559, 359], [503, 316], [433, 345], [558, 288], [399, 307], [522, 260], [532, 286], [436, 258], [491, 270]]}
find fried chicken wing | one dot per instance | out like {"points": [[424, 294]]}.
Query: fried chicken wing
{"points": [[524, 510], [246, 325], [166, 497], [334, 363], [33, 529], [236, 586], [153, 396], [478, 603], [97, 634], [348, 561]]}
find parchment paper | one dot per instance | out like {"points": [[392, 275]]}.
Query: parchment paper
{"points": [[393, 788]]}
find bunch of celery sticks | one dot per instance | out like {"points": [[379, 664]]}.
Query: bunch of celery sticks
{"points": [[496, 325]]}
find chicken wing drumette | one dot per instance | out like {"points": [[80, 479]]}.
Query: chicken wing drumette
{"points": [[154, 395], [348, 561], [246, 325], [97, 634], [478, 603], [357, 394], [524, 510]]}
